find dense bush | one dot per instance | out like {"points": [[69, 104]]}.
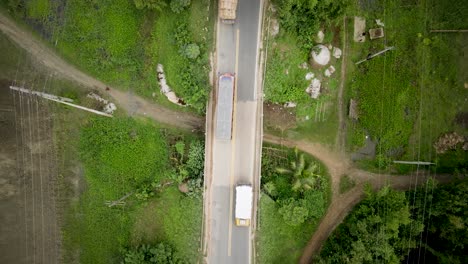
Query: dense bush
{"points": [[193, 75], [444, 210], [158, 254], [304, 17], [178, 6]]}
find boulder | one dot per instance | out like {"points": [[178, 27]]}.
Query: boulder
{"points": [[309, 76], [337, 52], [321, 55]]}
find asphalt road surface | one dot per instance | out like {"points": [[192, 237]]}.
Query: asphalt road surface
{"points": [[233, 162]]}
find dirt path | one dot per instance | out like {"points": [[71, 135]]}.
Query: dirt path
{"points": [[340, 136], [134, 105]]}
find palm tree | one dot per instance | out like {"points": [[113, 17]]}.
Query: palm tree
{"points": [[305, 174]]}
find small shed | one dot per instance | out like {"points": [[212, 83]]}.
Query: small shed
{"points": [[376, 33]]}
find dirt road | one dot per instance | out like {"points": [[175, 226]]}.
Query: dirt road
{"points": [[134, 105]]}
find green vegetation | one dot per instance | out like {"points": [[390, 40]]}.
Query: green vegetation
{"points": [[412, 95], [428, 224], [123, 156], [444, 211], [292, 203], [380, 229], [303, 18], [160, 253], [346, 184], [122, 44]]}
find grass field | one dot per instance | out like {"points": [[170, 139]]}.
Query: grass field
{"points": [[411, 95], [120, 155], [278, 241], [121, 45]]}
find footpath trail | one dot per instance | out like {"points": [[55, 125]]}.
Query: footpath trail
{"points": [[134, 105]]}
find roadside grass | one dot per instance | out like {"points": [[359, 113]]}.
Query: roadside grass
{"points": [[277, 240], [411, 95], [172, 217], [121, 45]]}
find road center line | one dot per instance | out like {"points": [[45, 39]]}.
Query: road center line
{"points": [[233, 146]]}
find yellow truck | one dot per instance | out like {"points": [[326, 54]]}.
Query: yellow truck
{"points": [[227, 11]]}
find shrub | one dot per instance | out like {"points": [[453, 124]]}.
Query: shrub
{"points": [[178, 6], [196, 159], [150, 4], [294, 212], [192, 51], [160, 254]]}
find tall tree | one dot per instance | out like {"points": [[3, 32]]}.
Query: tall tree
{"points": [[304, 174], [379, 230]]}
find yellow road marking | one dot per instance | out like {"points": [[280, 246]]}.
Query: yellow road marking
{"points": [[233, 146]]}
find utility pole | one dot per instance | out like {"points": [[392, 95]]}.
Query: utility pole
{"points": [[119, 201], [369, 57], [413, 162], [58, 99], [449, 30]]}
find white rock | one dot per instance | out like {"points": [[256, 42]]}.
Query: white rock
{"points": [[379, 23], [303, 65], [330, 47], [290, 104], [337, 52], [321, 54], [153, 94], [314, 88], [307, 118], [329, 71], [309, 76]]}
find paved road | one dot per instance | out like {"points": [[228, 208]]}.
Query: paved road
{"points": [[233, 161]]}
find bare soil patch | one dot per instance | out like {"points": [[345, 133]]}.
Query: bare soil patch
{"points": [[277, 117], [29, 231]]}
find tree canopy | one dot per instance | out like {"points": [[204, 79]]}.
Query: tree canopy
{"points": [[379, 230]]}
